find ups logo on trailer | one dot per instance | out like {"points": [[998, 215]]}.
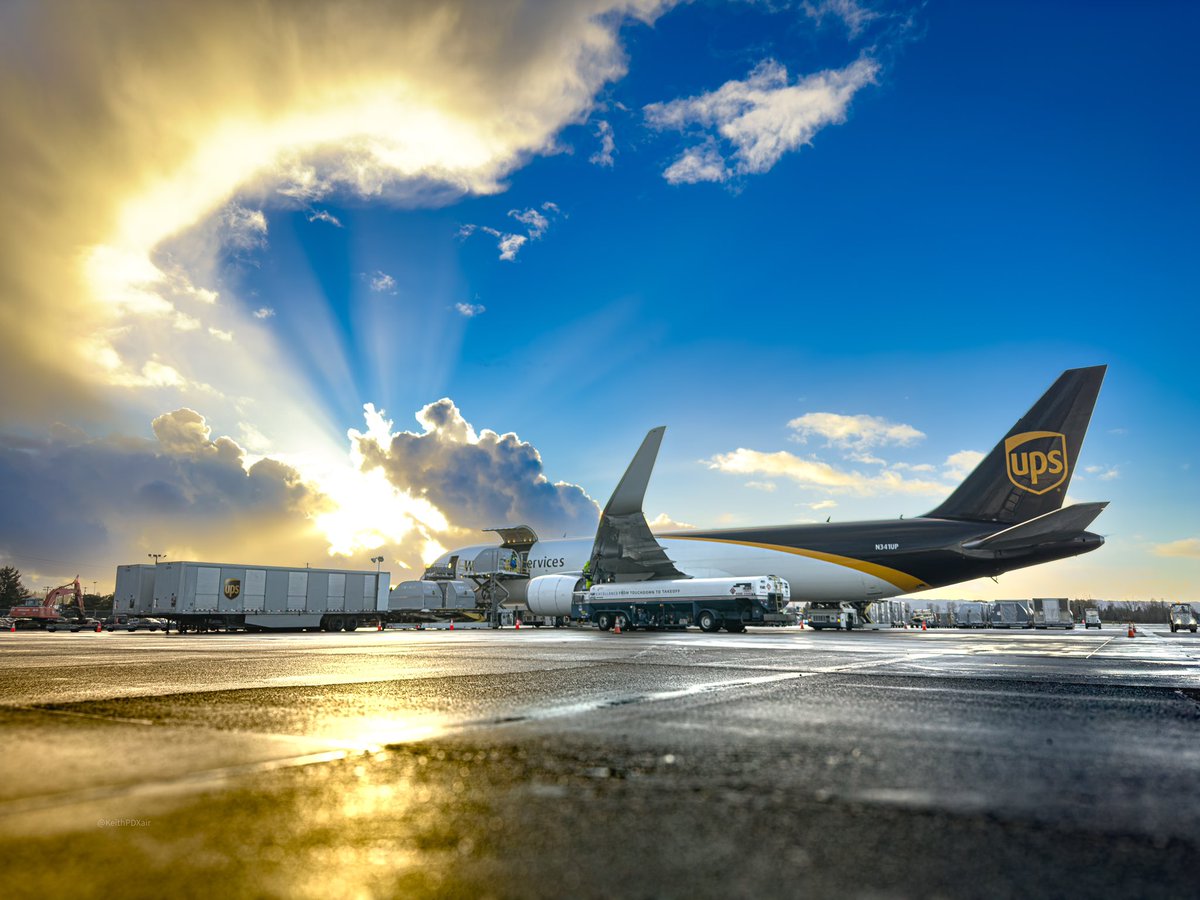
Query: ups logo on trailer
{"points": [[1036, 460], [233, 588]]}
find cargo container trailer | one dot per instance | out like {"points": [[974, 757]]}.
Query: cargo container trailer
{"points": [[203, 596]]}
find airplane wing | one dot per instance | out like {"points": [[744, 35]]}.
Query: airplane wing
{"points": [[625, 549], [1058, 525]]}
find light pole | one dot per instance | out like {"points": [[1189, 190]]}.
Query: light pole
{"points": [[377, 560]]}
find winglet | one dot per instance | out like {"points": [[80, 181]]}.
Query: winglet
{"points": [[631, 489], [625, 549]]}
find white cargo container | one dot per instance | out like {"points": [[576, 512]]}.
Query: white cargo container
{"points": [[1011, 614], [971, 614], [1052, 612], [134, 592], [203, 595], [415, 595]]}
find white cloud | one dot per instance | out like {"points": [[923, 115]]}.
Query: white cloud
{"points": [[470, 310], [245, 229], [700, 163], [853, 14], [533, 220], [768, 486], [264, 312], [663, 522], [760, 118], [478, 477], [608, 146], [961, 464], [324, 215], [1188, 548], [817, 474], [1104, 473], [510, 244], [822, 504], [382, 283], [220, 335], [184, 322], [536, 222], [853, 432]]}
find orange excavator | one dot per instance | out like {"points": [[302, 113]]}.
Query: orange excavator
{"points": [[70, 595]]}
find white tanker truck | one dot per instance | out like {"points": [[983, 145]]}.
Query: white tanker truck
{"points": [[710, 603]]}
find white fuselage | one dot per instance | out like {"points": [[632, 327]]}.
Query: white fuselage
{"points": [[810, 579]]}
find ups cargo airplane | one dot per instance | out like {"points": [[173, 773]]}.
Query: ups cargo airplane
{"points": [[1006, 515]]}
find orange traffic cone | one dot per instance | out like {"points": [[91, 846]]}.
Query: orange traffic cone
{"points": [[1132, 630], [380, 628], [97, 628], [924, 625], [517, 624], [617, 627], [451, 624]]}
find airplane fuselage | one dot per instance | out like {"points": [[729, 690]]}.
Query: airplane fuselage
{"points": [[852, 561]]}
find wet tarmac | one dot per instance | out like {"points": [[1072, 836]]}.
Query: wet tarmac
{"points": [[566, 762]]}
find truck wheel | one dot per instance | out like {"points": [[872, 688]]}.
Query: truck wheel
{"points": [[1172, 629], [335, 623], [708, 621], [352, 624], [1193, 629], [735, 627], [604, 622], [621, 621]]}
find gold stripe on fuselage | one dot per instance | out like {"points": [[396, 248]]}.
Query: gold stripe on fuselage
{"points": [[902, 580]]}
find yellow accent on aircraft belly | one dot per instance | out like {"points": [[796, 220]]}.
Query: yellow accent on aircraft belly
{"points": [[902, 580]]}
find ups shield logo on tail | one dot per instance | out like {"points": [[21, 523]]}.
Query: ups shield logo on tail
{"points": [[1036, 460], [233, 587]]}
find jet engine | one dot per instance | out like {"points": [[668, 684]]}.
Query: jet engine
{"points": [[551, 595]]}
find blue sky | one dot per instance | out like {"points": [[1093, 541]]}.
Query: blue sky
{"points": [[997, 193]]}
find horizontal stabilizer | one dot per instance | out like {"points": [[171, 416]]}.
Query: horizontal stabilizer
{"points": [[1058, 525]]}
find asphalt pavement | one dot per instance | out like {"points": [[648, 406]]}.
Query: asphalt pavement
{"points": [[572, 763]]}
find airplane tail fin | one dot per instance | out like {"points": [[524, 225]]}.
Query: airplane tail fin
{"points": [[1026, 475]]}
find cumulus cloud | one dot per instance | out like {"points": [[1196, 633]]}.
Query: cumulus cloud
{"points": [[147, 138], [470, 310], [822, 504], [264, 312], [961, 464], [813, 473], [1187, 548], [663, 522], [1104, 473], [608, 145], [758, 119], [184, 493], [853, 432], [477, 479]]}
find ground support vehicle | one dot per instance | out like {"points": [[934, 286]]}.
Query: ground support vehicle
{"points": [[1183, 616], [1091, 618], [709, 603], [841, 616]]}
